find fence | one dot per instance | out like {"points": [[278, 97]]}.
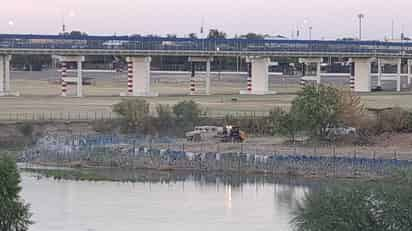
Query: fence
{"points": [[56, 116], [100, 115], [132, 152]]}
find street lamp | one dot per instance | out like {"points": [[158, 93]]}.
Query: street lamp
{"points": [[360, 17]]}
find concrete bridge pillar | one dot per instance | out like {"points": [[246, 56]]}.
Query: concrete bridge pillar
{"points": [[64, 60], [5, 75], [361, 71], [5, 89], [398, 77], [380, 67], [409, 71], [138, 73], [194, 61], [307, 62], [258, 83]]}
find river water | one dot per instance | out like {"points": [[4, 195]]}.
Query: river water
{"points": [[184, 203]]}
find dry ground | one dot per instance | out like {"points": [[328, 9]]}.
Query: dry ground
{"points": [[39, 95]]}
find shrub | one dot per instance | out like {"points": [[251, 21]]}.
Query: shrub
{"points": [[26, 129], [285, 123], [317, 108], [135, 113], [187, 114], [393, 120], [165, 117]]}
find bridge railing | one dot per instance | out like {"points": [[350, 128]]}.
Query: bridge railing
{"points": [[214, 45]]}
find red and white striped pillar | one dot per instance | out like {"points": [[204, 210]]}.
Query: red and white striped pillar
{"points": [[192, 79], [352, 77], [63, 77], [302, 79], [249, 78], [130, 78]]}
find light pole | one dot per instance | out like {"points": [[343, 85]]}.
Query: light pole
{"points": [[360, 17]]}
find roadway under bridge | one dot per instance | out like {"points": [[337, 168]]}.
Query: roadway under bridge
{"points": [[367, 60]]}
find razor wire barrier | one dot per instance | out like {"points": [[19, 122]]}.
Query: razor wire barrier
{"points": [[167, 154]]}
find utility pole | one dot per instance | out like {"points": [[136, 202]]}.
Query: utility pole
{"points": [[393, 30], [360, 17]]}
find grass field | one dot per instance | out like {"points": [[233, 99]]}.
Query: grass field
{"points": [[40, 96]]}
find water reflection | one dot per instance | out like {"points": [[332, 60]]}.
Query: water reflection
{"points": [[164, 200]]}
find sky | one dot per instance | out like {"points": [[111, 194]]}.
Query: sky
{"points": [[330, 19]]}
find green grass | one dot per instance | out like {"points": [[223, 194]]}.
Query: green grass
{"points": [[68, 174]]}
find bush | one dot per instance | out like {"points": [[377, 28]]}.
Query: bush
{"points": [[14, 213], [165, 117], [285, 123], [393, 120], [317, 108], [187, 114], [26, 129], [135, 113]]}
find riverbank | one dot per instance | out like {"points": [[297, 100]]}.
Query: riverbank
{"points": [[159, 176]]}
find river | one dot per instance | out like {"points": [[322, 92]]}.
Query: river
{"points": [[185, 203]]}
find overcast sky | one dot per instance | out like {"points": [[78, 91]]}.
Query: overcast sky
{"points": [[329, 18]]}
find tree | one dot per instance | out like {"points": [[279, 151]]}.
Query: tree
{"points": [[216, 34], [77, 33], [351, 111], [317, 107], [193, 35], [165, 118], [171, 36], [135, 113], [285, 123], [254, 36], [187, 113], [14, 213]]}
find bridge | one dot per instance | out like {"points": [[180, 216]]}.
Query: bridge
{"points": [[360, 55]]}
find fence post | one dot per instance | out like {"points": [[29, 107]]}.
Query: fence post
{"points": [[334, 160], [353, 162]]}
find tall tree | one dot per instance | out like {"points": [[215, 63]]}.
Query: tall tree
{"points": [[193, 35], [14, 213], [216, 34], [254, 36]]}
